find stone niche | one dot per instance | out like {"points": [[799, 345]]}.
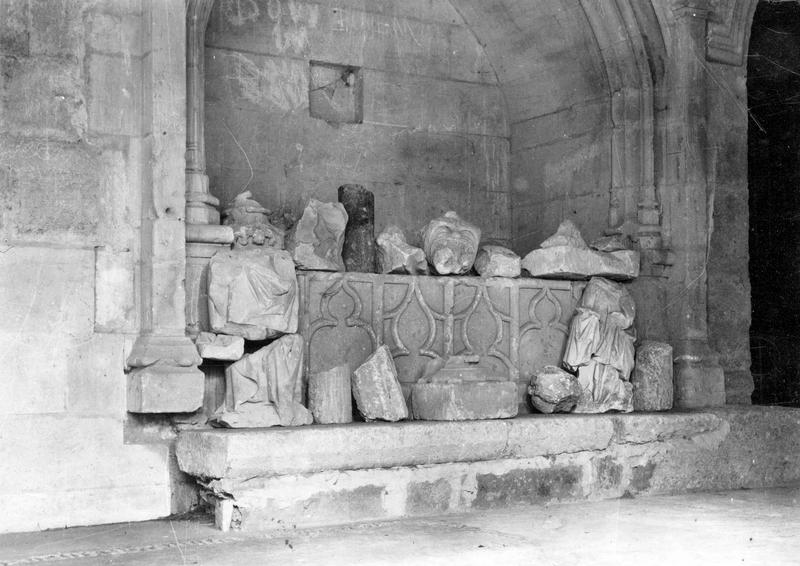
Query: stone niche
{"points": [[516, 326]]}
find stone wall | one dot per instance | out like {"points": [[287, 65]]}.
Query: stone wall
{"points": [[433, 134], [72, 147]]}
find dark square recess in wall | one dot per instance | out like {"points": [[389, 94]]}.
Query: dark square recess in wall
{"points": [[336, 93]]}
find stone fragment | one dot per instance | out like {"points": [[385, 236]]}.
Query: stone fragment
{"points": [[376, 388], [554, 390], [600, 347], [462, 388], [330, 398], [471, 400], [250, 223], [220, 346], [497, 261], [652, 377], [565, 262], [316, 241], [613, 243], [358, 251], [265, 388], [451, 244], [395, 255], [252, 293], [567, 235]]}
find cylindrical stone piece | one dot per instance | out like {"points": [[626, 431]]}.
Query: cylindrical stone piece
{"points": [[358, 252], [329, 396], [652, 377]]}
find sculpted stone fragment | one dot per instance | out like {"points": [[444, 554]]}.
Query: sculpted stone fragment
{"points": [[451, 244], [220, 346], [252, 293], [600, 347], [316, 240], [497, 261], [330, 398], [460, 389], [358, 252], [395, 255], [265, 388], [554, 390], [565, 255], [250, 223], [613, 243], [567, 235], [376, 388], [652, 377]]}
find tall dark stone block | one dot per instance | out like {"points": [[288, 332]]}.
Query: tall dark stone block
{"points": [[359, 237]]}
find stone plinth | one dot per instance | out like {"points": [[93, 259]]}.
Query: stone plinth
{"points": [[464, 401], [515, 326], [366, 471]]}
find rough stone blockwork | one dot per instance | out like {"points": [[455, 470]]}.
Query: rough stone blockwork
{"points": [[267, 479]]}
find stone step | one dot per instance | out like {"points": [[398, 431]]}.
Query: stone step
{"points": [[333, 474]]}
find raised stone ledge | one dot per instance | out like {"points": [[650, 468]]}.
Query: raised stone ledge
{"points": [[234, 454], [325, 475]]}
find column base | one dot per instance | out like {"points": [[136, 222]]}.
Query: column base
{"points": [[164, 377], [698, 377]]}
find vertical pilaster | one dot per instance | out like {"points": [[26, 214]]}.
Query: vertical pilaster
{"points": [[164, 377], [699, 379]]}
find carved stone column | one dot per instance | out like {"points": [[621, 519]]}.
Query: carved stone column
{"points": [[204, 235], [699, 379], [164, 377]]}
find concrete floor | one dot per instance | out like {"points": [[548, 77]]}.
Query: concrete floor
{"points": [[738, 527]]}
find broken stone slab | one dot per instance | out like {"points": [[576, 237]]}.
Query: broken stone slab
{"points": [[652, 377], [451, 244], [566, 262], [554, 390], [567, 235], [358, 251], [376, 388], [396, 255], [252, 293], [497, 261], [613, 243], [330, 398], [220, 346], [265, 388], [316, 241], [464, 401]]}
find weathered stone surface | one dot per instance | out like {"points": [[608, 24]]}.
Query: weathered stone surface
{"points": [[342, 313], [613, 243], [165, 389], [652, 377], [330, 396], [567, 235], [601, 349], [376, 388], [358, 251], [265, 388], [451, 244], [554, 390], [469, 400], [250, 223], [252, 293], [395, 255], [566, 262], [220, 346], [497, 261], [316, 240]]}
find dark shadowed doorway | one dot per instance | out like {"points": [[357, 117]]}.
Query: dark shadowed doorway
{"points": [[773, 89]]}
